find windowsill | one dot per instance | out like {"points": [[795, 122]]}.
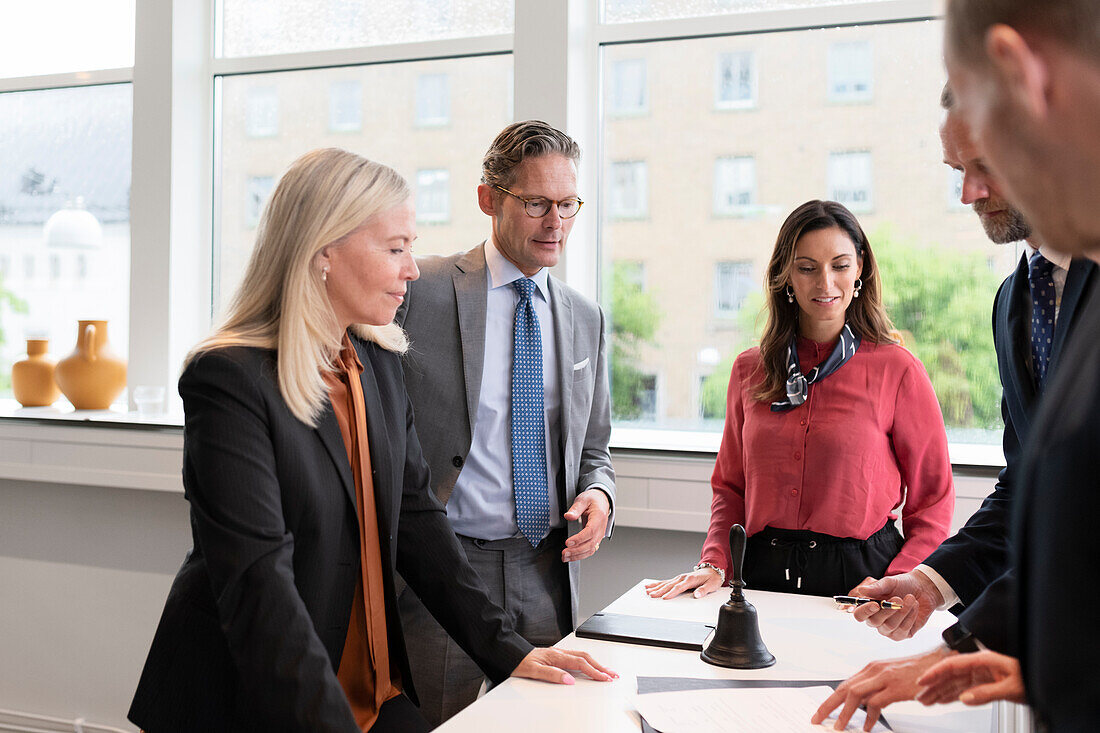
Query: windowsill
{"points": [[701, 443], [62, 413]]}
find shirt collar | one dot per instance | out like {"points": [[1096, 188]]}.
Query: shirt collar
{"points": [[1058, 259], [502, 272]]}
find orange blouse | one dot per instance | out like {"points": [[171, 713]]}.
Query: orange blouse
{"points": [[365, 673]]}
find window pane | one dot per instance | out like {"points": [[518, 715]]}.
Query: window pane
{"points": [[64, 217], [627, 88], [60, 36], [850, 71], [259, 27], [629, 11], [735, 80], [720, 184], [390, 130]]}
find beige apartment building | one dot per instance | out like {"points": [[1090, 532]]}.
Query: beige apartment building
{"points": [[707, 145]]}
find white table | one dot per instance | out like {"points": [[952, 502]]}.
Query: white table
{"points": [[808, 636]]}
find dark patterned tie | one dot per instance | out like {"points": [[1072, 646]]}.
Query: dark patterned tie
{"points": [[528, 431], [1041, 281]]}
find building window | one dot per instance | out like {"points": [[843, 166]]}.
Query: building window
{"points": [[734, 186], [262, 112], [735, 86], [733, 282], [628, 92], [259, 188], [28, 267], [345, 106], [955, 190], [55, 267], [850, 71], [81, 266], [433, 100], [849, 180], [632, 273], [433, 196], [628, 190]]}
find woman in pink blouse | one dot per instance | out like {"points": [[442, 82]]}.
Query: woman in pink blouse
{"points": [[831, 426]]}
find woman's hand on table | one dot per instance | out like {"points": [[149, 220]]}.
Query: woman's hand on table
{"points": [[703, 581], [550, 664]]}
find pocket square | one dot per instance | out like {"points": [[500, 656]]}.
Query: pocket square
{"points": [[580, 365]]}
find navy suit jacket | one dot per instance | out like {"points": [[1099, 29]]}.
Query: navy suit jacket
{"points": [[1054, 522], [976, 560], [255, 623]]}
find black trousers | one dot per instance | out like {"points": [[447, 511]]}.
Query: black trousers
{"points": [[800, 561], [399, 715]]}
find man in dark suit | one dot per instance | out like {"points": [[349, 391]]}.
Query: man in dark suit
{"points": [[507, 374], [970, 572], [1027, 76]]}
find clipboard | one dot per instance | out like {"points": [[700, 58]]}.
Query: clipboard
{"points": [[660, 632]]}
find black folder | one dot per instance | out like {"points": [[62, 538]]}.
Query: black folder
{"points": [[646, 631]]}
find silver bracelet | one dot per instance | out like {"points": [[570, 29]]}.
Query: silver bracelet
{"points": [[715, 568]]}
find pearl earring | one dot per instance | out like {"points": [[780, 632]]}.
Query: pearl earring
{"points": [[857, 288], [324, 274], [790, 294]]}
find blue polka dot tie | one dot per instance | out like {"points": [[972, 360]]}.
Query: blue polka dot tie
{"points": [[1041, 281], [528, 429]]}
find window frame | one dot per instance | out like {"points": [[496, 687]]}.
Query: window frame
{"points": [[557, 50]]}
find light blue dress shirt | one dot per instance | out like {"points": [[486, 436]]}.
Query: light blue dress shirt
{"points": [[483, 504]]}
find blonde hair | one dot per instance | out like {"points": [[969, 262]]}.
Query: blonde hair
{"points": [[281, 303]]}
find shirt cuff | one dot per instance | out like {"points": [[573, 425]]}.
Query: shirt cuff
{"points": [[610, 503], [950, 598]]}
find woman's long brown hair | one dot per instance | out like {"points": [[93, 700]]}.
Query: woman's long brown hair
{"points": [[866, 314]]}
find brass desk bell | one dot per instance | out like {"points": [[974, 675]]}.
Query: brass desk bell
{"points": [[736, 642]]}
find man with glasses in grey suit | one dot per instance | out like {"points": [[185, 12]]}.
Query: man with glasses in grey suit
{"points": [[507, 374]]}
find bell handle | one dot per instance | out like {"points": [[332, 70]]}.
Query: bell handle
{"points": [[737, 555], [87, 339]]}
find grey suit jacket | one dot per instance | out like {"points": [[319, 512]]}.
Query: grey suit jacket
{"points": [[444, 315]]}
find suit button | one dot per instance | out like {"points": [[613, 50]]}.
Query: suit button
{"points": [[457, 461]]}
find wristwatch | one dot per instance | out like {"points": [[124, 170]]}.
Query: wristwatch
{"points": [[959, 638], [715, 568]]}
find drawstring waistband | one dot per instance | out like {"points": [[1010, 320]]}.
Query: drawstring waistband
{"points": [[798, 552]]}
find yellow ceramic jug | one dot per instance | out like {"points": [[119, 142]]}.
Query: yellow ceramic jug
{"points": [[32, 378], [92, 376]]}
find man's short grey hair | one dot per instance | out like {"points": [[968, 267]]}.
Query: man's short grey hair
{"points": [[1075, 23], [519, 141]]}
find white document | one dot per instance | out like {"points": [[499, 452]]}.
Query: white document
{"points": [[728, 710]]}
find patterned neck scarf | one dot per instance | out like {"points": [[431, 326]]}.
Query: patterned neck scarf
{"points": [[798, 385]]}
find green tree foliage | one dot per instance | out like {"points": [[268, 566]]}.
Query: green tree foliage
{"points": [[634, 319], [940, 298]]}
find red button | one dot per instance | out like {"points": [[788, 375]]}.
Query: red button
{"points": [[794, 492], [803, 422], [797, 456]]}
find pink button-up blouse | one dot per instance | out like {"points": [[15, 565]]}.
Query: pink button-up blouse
{"points": [[868, 440]]}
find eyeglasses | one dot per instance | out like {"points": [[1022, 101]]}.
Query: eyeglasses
{"points": [[539, 207]]}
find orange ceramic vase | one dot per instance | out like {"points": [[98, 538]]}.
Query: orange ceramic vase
{"points": [[32, 378], [92, 376]]}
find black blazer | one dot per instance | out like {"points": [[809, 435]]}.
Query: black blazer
{"points": [[255, 623], [975, 560], [1055, 524]]}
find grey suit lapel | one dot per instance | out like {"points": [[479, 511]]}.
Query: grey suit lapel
{"points": [[471, 294], [562, 308]]}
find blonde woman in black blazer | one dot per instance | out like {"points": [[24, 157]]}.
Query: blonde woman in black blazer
{"points": [[255, 623]]}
